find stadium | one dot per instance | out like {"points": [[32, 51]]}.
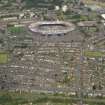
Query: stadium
{"points": [[51, 27]]}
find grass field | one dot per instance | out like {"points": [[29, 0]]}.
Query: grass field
{"points": [[15, 98], [23, 98], [94, 54], [3, 58], [102, 4], [16, 29]]}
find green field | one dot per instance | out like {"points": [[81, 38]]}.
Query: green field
{"points": [[23, 98], [3, 58], [16, 98], [94, 54], [94, 2], [16, 30]]}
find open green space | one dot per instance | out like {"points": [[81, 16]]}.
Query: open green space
{"points": [[80, 17], [16, 30], [3, 58], [17, 98], [75, 17], [94, 53], [94, 2], [23, 98]]}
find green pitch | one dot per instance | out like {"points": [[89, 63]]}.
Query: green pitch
{"points": [[94, 54], [3, 58]]}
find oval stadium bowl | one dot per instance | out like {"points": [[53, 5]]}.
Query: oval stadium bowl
{"points": [[51, 27]]}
